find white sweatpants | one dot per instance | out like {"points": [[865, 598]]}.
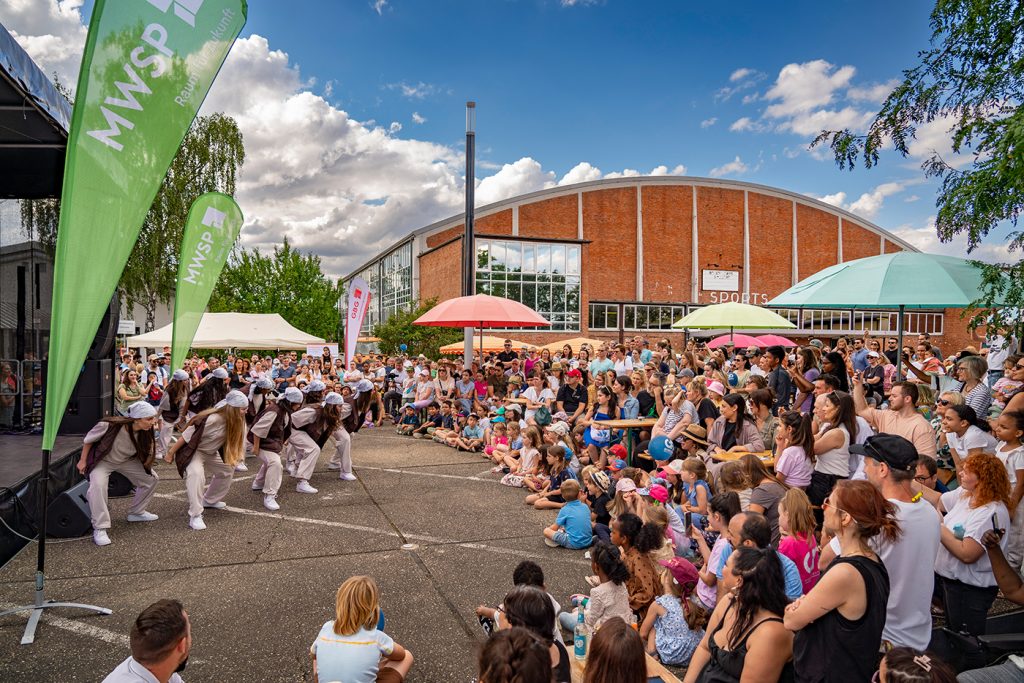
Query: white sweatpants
{"points": [[269, 476], [195, 480], [99, 478], [342, 451]]}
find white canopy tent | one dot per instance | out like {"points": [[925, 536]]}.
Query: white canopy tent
{"points": [[235, 330]]}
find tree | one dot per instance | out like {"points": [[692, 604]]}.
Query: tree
{"points": [[398, 329], [971, 75], [208, 160], [285, 282]]}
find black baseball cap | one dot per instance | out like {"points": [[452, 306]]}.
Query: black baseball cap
{"points": [[894, 451]]}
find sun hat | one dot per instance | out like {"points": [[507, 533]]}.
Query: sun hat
{"points": [[141, 410], [716, 387], [559, 428], [674, 467], [658, 493], [625, 485], [683, 573], [696, 434]]}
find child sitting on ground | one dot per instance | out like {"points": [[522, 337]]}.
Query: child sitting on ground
{"points": [[350, 648], [447, 423], [675, 624], [598, 498], [528, 463], [514, 446], [549, 497], [410, 421], [472, 436], [451, 437], [498, 437], [526, 573], [572, 527], [608, 597], [429, 425]]}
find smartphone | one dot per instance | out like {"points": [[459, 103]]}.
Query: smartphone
{"points": [[487, 624], [995, 524], [688, 519]]}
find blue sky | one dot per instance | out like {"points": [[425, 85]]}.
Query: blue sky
{"points": [[353, 111]]}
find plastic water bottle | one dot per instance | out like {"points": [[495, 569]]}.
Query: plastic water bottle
{"points": [[580, 636]]}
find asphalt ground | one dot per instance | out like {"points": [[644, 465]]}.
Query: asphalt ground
{"points": [[259, 585]]}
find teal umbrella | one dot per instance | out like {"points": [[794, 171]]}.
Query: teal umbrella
{"points": [[902, 280]]}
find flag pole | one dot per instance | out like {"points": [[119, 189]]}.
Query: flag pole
{"points": [[468, 248]]}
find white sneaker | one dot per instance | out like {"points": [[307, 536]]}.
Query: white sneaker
{"points": [[143, 517], [347, 476], [241, 467], [99, 537], [270, 503], [550, 543], [291, 470], [334, 468], [197, 523], [304, 487], [219, 505]]}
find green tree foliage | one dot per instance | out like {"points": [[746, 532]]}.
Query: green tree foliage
{"points": [[973, 74], [398, 329], [285, 282], [208, 160]]}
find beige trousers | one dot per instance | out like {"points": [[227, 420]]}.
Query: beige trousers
{"points": [[195, 480], [145, 487], [269, 476], [342, 451]]}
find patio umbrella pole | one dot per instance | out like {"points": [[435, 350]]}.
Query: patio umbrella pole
{"points": [[899, 348]]}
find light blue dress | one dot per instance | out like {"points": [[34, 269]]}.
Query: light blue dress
{"points": [[674, 640]]}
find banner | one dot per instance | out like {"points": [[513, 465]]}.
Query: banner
{"points": [[214, 221], [146, 69], [317, 350], [358, 304]]}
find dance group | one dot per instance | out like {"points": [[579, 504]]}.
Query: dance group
{"points": [[219, 428]]}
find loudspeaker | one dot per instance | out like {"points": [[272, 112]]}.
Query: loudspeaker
{"points": [[91, 400], [96, 379], [106, 335], [118, 486], [68, 515]]}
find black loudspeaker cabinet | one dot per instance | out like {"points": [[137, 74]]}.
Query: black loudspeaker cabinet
{"points": [[118, 486], [68, 514], [91, 400], [106, 335], [96, 379]]}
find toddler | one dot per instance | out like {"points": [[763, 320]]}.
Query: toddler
{"points": [[410, 421]]}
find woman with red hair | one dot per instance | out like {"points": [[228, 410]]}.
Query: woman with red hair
{"points": [[963, 574]]}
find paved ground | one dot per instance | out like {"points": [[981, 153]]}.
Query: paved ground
{"points": [[259, 585]]}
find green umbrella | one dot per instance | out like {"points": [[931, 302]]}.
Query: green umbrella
{"points": [[899, 280], [733, 315]]}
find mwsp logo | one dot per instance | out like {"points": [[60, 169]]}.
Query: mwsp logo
{"points": [[185, 10]]}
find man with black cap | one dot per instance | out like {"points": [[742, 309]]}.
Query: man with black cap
{"points": [[890, 463]]}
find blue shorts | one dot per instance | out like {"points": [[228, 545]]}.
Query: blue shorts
{"points": [[562, 539]]}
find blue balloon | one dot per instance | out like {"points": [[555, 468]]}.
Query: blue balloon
{"points": [[403, 347], [661, 448], [733, 379]]}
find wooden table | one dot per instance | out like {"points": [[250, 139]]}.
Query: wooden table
{"points": [[765, 456], [628, 425], [654, 668]]}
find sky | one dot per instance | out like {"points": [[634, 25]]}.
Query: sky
{"points": [[353, 111]]}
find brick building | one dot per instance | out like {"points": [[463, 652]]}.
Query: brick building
{"points": [[631, 255]]}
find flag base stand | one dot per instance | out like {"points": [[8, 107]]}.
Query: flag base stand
{"points": [[41, 603]]}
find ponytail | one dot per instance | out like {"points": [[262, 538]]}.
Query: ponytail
{"points": [[803, 433], [607, 557]]}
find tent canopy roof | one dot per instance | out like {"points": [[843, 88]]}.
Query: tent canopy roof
{"points": [[235, 330]]}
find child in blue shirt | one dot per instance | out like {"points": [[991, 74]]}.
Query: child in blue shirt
{"points": [[472, 437], [349, 647], [410, 421], [572, 528]]}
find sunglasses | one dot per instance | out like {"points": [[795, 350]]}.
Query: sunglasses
{"points": [[944, 402], [827, 504]]}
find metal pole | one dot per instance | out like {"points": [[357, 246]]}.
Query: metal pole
{"points": [[468, 248], [899, 347]]}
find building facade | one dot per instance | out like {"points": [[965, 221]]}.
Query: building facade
{"points": [[626, 256]]}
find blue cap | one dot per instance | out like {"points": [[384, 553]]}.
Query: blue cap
{"points": [[661, 448]]}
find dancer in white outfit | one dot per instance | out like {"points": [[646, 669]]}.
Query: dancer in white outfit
{"points": [[213, 441], [173, 409], [342, 458], [126, 445], [268, 436], [311, 427]]}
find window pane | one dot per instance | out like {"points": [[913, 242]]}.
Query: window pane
{"points": [[572, 299], [498, 289], [612, 317], [543, 258], [558, 258], [543, 299], [529, 296], [514, 291], [513, 256], [629, 317], [557, 298], [482, 256], [498, 256], [529, 258], [572, 260]]}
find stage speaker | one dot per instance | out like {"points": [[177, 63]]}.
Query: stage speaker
{"points": [[91, 400], [118, 486], [106, 335], [96, 379], [68, 515]]}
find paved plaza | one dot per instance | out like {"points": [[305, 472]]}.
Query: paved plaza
{"points": [[258, 585]]}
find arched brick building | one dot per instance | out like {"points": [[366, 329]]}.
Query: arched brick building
{"points": [[631, 255]]}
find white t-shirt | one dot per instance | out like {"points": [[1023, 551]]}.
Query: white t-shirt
{"points": [[908, 618], [623, 367], [999, 349], [1012, 459], [836, 461], [528, 459], [864, 432], [974, 522], [972, 438], [531, 393]]}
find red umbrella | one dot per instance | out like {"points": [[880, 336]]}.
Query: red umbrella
{"points": [[775, 340], [740, 340], [481, 310]]}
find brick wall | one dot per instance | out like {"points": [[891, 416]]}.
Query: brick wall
{"points": [[556, 218], [441, 272], [609, 222], [771, 245], [719, 233], [668, 242]]}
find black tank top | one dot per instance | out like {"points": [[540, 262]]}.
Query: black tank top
{"points": [[835, 648], [726, 666]]}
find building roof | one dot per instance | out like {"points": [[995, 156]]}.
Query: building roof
{"points": [[637, 181]]}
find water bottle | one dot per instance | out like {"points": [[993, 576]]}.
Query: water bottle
{"points": [[580, 636]]}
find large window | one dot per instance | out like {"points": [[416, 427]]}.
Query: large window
{"points": [[545, 277], [605, 316], [390, 281]]}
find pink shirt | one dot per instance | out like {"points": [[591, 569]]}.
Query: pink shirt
{"points": [[804, 553]]}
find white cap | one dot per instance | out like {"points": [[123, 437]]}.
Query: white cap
{"points": [[294, 395], [264, 383], [333, 399], [235, 399], [220, 373], [316, 385], [140, 410], [407, 364], [179, 375]]}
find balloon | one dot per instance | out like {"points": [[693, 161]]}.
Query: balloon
{"points": [[403, 347], [733, 379]]}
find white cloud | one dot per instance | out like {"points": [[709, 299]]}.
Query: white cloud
{"points": [[809, 124], [745, 123], [911, 198], [414, 91], [935, 137], [525, 175], [417, 118], [734, 167], [378, 6], [926, 239], [395, 127], [875, 93], [838, 199], [663, 170], [707, 123], [579, 3], [803, 87], [581, 173], [869, 203], [740, 74], [52, 33]]}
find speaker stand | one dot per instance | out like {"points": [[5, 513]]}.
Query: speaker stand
{"points": [[41, 603]]}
